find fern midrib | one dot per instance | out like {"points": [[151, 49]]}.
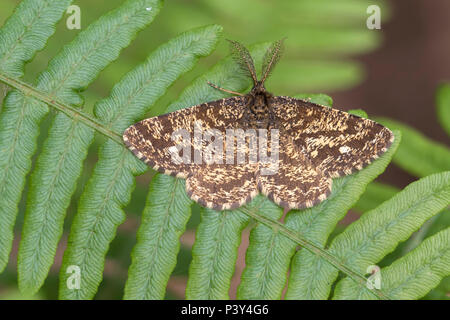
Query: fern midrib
{"points": [[68, 110], [355, 252], [315, 249], [47, 203], [26, 29], [160, 234]]}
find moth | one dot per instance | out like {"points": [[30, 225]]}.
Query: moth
{"points": [[232, 149]]}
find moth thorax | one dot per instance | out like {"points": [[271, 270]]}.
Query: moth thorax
{"points": [[259, 107]]}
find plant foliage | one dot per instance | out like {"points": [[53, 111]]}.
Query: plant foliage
{"points": [[296, 249]]}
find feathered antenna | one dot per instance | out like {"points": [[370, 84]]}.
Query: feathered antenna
{"points": [[244, 59], [271, 57]]}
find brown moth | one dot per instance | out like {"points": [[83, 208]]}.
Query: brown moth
{"points": [[216, 146]]}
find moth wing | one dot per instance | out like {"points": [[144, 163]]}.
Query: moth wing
{"points": [[296, 182], [336, 142], [151, 140], [223, 187]]}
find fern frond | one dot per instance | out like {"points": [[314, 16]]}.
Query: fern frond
{"points": [[411, 276], [301, 240], [25, 32], [158, 240], [100, 209], [377, 193], [262, 267], [273, 251], [60, 163], [214, 254], [443, 106], [376, 233], [418, 154]]}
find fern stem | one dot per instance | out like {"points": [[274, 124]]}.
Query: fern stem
{"points": [[278, 227], [64, 108]]}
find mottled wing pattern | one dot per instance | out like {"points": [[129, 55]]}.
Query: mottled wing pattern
{"points": [[297, 183], [337, 143], [317, 144], [223, 187], [151, 139]]}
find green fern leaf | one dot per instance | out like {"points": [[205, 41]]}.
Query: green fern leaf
{"points": [[261, 262], [60, 163], [377, 193], [411, 276], [93, 229], [376, 233], [158, 239], [305, 281], [25, 32], [52, 183], [443, 106], [214, 254], [418, 154]]}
